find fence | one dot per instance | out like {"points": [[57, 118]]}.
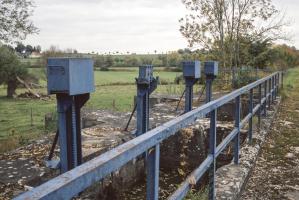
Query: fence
{"points": [[243, 75], [72, 182]]}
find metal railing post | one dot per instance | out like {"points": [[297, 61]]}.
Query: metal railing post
{"points": [[278, 82], [273, 94], [269, 99], [260, 105], [80, 178], [212, 151], [152, 184], [282, 73], [251, 112], [265, 95], [237, 125], [275, 82]]}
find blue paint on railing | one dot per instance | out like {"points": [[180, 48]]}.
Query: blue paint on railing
{"points": [[72, 182]]}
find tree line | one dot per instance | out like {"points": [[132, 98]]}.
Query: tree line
{"points": [[252, 54], [234, 32]]}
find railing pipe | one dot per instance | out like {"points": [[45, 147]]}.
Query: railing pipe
{"points": [[76, 180]]}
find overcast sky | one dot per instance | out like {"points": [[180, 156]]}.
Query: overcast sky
{"points": [[121, 25]]}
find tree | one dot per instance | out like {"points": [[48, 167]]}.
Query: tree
{"points": [[29, 49], [38, 48], [10, 69], [132, 61], [174, 59], [285, 56], [15, 22], [20, 48], [109, 61], [99, 61], [219, 26], [157, 62]]}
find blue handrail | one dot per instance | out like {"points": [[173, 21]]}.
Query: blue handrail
{"points": [[76, 180]]}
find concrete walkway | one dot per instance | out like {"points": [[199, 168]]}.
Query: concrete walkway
{"points": [[276, 175]]}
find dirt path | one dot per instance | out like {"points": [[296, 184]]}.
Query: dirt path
{"points": [[276, 175]]}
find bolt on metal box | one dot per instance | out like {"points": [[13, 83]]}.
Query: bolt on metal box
{"points": [[72, 76], [211, 68], [145, 73], [191, 69]]}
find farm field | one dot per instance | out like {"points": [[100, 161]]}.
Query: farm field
{"points": [[114, 90], [112, 77]]}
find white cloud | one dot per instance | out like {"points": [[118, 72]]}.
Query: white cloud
{"points": [[116, 25]]}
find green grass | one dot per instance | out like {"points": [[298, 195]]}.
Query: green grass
{"points": [[128, 77], [15, 119], [111, 77], [115, 90]]}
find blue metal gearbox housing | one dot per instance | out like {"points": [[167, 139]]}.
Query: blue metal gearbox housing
{"points": [[191, 69], [72, 80], [211, 68], [72, 76]]}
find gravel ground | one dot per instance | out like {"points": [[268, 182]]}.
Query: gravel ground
{"points": [[276, 174]]}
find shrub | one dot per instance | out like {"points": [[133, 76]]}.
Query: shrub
{"points": [[104, 69]]}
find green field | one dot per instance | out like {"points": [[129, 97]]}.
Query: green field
{"points": [[112, 77], [114, 90], [128, 77]]}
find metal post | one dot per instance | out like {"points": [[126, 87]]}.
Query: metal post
{"points": [[237, 125], [189, 94], [61, 107], [278, 81], [152, 185], [272, 81], [191, 73], [265, 95], [74, 134], [142, 110], [71, 95], [146, 84], [277, 85], [212, 151], [260, 107], [270, 95], [251, 112], [282, 74], [275, 80], [209, 81], [211, 71]]}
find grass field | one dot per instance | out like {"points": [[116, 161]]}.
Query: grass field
{"points": [[114, 90], [128, 77], [111, 77]]}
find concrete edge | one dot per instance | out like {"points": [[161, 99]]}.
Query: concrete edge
{"points": [[231, 179]]}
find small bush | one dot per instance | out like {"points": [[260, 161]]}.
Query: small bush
{"points": [[104, 69], [244, 78], [173, 69]]}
